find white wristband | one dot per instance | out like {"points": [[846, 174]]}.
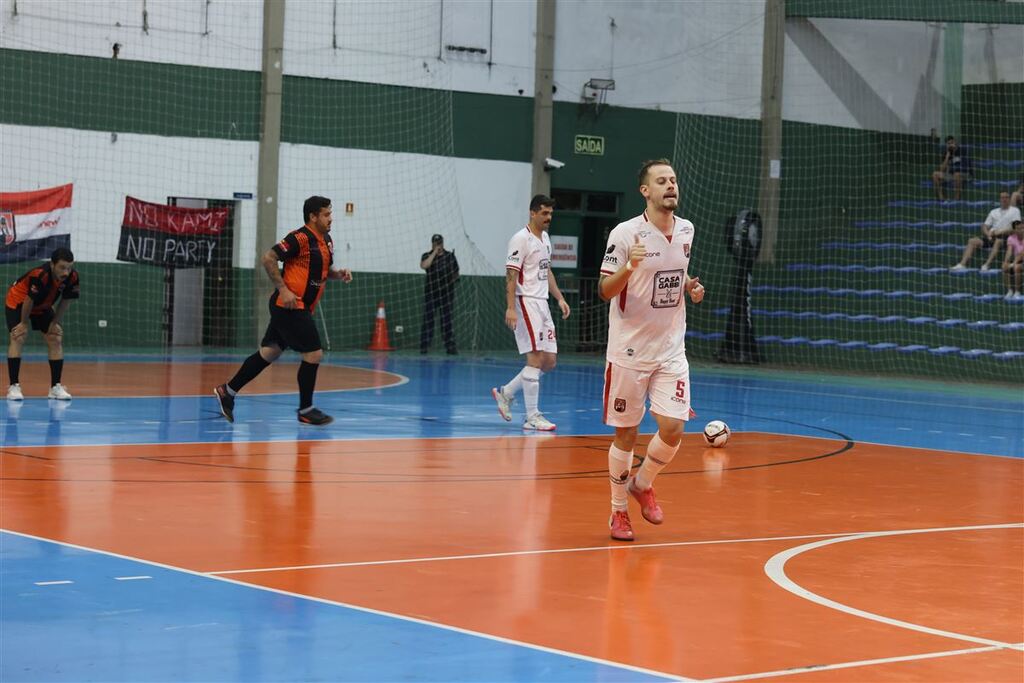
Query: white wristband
{"points": [[629, 266]]}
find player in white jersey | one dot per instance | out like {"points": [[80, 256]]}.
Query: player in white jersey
{"points": [[644, 279], [528, 280]]}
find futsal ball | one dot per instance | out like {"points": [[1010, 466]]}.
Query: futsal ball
{"points": [[716, 433]]}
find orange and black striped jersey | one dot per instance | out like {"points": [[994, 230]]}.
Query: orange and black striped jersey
{"points": [[307, 261], [43, 288]]}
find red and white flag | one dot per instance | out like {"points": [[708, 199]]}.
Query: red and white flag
{"points": [[34, 223]]}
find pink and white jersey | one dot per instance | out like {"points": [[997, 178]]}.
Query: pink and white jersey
{"points": [[531, 256], [647, 320]]}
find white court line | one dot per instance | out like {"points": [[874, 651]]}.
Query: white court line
{"points": [[519, 553], [51, 583], [775, 568], [131, 578], [365, 610], [850, 665], [553, 551]]}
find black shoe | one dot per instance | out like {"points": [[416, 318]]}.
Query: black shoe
{"points": [[226, 402], [315, 417]]}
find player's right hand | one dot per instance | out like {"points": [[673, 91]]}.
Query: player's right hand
{"points": [[19, 331], [511, 318], [286, 297], [637, 252]]}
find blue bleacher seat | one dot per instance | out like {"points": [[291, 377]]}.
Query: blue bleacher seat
{"points": [[911, 348]]}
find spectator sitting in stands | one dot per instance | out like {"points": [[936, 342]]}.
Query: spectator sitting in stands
{"points": [[1013, 262], [993, 231], [955, 165], [1017, 198]]}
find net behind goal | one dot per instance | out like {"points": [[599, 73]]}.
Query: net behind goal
{"points": [[859, 278], [163, 106]]}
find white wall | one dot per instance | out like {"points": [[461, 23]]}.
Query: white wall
{"points": [[103, 171], [900, 63], [400, 199], [176, 30], [698, 56], [695, 56], [993, 54]]}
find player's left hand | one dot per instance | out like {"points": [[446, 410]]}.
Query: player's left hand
{"points": [[346, 275], [696, 290], [564, 306]]}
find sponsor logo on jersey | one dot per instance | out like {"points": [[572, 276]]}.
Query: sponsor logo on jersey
{"points": [[668, 289], [686, 250], [610, 249]]}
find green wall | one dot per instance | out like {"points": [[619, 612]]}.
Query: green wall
{"points": [[966, 11], [993, 112]]}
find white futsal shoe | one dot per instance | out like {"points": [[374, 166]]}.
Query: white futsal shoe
{"points": [[14, 393], [58, 392], [504, 403], [539, 423]]}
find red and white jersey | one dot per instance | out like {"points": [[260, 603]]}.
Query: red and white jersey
{"points": [[647, 320], [531, 256]]}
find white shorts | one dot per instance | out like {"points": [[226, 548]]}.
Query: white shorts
{"points": [[535, 331], [626, 392]]}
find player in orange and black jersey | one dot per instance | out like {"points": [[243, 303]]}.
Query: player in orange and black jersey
{"points": [[30, 305], [308, 255]]}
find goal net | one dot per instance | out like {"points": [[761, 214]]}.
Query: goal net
{"points": [[855, 273], [161, 103]]}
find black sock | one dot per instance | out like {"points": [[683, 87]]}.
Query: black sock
{"points": [[13, 368], [307, 381], [56, 368], [251, 366]]}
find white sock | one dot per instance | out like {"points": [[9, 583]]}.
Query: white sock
{"points": [[659, 454], [619, 462], [531, 390], [514, 385]]}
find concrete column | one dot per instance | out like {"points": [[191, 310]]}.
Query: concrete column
{"points": [[771, 125], [269, 154], [543, 101], [952, 78]]}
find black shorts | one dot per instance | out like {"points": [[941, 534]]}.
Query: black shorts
{"points": [[988, 242], [291, 328], [37, 321]]}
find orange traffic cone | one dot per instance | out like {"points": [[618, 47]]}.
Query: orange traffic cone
{"points": [[379, 342]]}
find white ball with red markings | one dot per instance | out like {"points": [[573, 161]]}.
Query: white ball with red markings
{"points": [[716, 433]]}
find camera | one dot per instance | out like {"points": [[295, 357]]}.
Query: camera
{"points": [[550, 163]]}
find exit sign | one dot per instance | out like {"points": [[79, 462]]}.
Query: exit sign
{"points": [[592, 145]]}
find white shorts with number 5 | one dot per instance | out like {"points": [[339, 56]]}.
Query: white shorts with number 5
{"points": [[626, 392], [535, 330]]}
